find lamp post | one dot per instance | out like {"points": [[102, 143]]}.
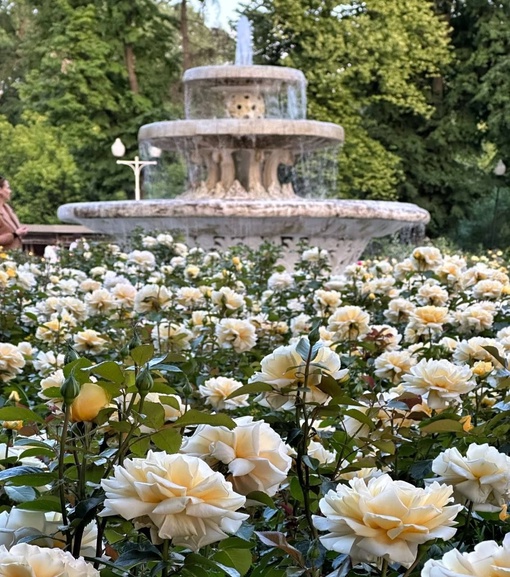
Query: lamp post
{"points": [[499, 170], [118, 149]]}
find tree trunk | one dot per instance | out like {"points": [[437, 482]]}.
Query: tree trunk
{"points": [[186, 56], [129, 56]]}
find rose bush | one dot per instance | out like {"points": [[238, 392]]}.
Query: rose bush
{"points": [[172, 411]]}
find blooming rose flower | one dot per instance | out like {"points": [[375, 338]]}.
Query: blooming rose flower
{"points": [[348, 323], [189, 297], [236, 334], [316, 450], [487, 560], [152, 297], [426, 257], [142, 259], [392, 365], [89, 341], [399, 310], [284, 368], [441, 381], [385, 518], [215, 391], [100, 302], [24, 560], [171, 336], [226, 298], [280, 281], [482, 476], [90, 400], [180, 496], [12, 361], [257, 458], [426, 321]]}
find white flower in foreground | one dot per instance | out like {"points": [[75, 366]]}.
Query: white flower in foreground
{"points": [[216, 391], [482, 476], [440, 381], [24, 560], [317, 451], [12, 361], [385, 518], [284, 370], [180, 495], [487, 560], [257, 458], [236, 334]]}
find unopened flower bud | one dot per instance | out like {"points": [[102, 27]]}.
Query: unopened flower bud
{"points": [[136, 341], [12, 425], [14, 397], [71, 355], [144, 381], [70, 389]]}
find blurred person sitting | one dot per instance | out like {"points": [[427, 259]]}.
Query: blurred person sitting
{"points": [[11, 230]]}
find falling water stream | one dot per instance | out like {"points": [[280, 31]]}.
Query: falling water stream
{"points": [[244, 49]]}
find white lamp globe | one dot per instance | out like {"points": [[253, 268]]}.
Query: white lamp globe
{"points": [[118, 148]]}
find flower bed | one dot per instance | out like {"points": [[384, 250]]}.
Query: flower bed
{"points": [[169, 411]]}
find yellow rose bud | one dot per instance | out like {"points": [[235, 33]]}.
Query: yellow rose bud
{"points": [[466, 424], [4, 255], [506, 289], [503, 516], [12, 425], [236, 260], [482, 368], [14, 397], [90, 400], [371, 296]]}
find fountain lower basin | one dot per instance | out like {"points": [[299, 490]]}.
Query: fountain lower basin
{"points": [[343, 227]]}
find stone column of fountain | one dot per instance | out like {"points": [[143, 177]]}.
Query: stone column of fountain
{"points": [[244, 126]]}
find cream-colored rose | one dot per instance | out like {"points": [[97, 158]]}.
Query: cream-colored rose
{"points": [[226, 298], [440, 381], [180, 497], [152, 298], [349, 323], [426, 258], [284, 370], [279, 281], [236, 334], [24, 560], [12, 361], [216, 391], [100, 302], [428, 322], [482, 476], [385, 518], [89, 341], [392, 365], [257, 458], [90, 400], [142, 259], [171, 337], [316, 450], [399, 310], [487, 560]]}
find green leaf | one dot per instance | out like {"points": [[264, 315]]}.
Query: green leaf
{"points": [[303, 349], [167, 439], [330, 386], [18, 414], [142, 354], [108, 370], [261, 497], [361, 417], [443, 426], [194, 417], [45, 503], [20, 494], [239, 559], [496, 354], [153, 415], [251, 388], [279, 540], [25, 475]]}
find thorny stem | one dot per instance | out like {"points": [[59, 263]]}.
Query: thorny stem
{"points": [[384, 567], [61, 471]]}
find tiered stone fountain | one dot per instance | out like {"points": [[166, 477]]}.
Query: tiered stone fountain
{"points": [[246, 126]]}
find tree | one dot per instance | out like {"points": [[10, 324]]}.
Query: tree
{"points": [[357, 57], [40, 168]]}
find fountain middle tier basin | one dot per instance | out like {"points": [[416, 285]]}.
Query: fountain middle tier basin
{"points": [[343, 227], [240, 158]]}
